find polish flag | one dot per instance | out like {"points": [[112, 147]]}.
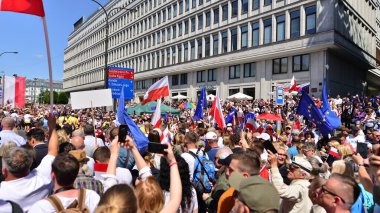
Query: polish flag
{"points": [[156, 119], [32, 7], [216, 112], [297, 125], [293, 85], [334, 152], [158, 90], [14, 91], [165, 137], [251, 124]]}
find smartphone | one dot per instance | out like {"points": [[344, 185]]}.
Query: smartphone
{"points": [[123, 132], [269, 146], [157, 148]]}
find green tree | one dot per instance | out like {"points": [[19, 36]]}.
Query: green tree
{"points": [[46, 97], [62, 98]]}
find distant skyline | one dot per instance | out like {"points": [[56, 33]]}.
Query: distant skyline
{"points": [[24, 34]]}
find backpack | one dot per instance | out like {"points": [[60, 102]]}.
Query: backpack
{"points": [[15, 207], [77, 206], [204, 173]]}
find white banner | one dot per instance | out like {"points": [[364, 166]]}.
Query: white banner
{"points": [[93, 98], [9, 90]]}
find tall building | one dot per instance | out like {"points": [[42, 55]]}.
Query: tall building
{"points": [[34, 87], [249, 46]]}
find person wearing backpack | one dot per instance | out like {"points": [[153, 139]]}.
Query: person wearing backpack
{"points": [[66, 198]]}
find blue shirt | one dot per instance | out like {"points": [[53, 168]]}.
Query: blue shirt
{"points": [[211, 154], [292, 151]]}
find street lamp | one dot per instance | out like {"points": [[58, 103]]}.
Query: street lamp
{"points": [[106, 38], [8, 53]]}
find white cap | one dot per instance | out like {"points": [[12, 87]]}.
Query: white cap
{"points": [[229, 124], [303, 163], [211, 136], [264, 136]]}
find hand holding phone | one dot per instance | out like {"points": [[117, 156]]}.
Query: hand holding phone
{"points": [[157, 148], [123, 132], [269, 146]]}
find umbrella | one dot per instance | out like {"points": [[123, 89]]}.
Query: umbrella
{"points": [[179, 97], [187, 105], [240, 96], [269, 116]]}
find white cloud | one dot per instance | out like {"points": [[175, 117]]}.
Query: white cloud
{"points": [[39, 56]]}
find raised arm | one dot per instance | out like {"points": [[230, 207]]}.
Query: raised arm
{"points": [[53, 137], [142, 166]]}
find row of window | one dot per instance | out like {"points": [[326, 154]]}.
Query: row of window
{"points": [[300, 63]]}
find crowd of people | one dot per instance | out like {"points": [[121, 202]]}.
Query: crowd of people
{"points": [[73, 160]]}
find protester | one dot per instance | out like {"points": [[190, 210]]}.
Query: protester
{"points": [[7, 134]]}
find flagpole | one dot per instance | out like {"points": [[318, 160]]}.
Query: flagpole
{"points": [[49, 63]]}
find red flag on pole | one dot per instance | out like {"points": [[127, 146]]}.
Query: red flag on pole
{"points": [[33, 7]]}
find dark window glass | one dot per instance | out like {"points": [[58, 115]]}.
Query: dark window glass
{"points": [[180, 7], [200, 22], [224, 12], [244, 6], [255, 4], [183, 78], [234, 72], [174, 31], [301, 63], [244, 36], [200, 2], [295, 24], [215, 44], [193, 24], [159, 18], [255, 34], [185, 52], [187, 5], [280, 65], [174, 80], [169, 13], [164, 15], [186, 26], [310, 20], [234, 5], [174, 10], [234, 39], [208, 19], [199, 48], [192, 50], [174, 55], [207, 46], [267, 2], [179, 53], [193, 3], [280, 31], [224, 41], [216, 16], [267, 31], [180, 29], [201, 76], [211, 75]]}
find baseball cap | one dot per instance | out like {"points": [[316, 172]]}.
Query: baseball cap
{"points": [[258, 202], [80, 155], [211, 136], [264, 136], [302, 163], [229, 124]]}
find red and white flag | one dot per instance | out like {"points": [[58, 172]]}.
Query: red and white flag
{"points": [[334, 152], [217, 113], [293, 85], [32, 7], [251, 124], [14, 91], [158, 90], [156, 119], [165, 137]]}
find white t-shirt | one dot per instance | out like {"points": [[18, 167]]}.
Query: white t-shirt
{"points": [[355, 140], [190, 160], [90, 146], [27, 118], [189, 209], [5, 206], [91, 201], [27, 190]]}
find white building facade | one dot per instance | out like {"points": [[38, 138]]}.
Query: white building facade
{"points": [[34, 87], [231, 46]]}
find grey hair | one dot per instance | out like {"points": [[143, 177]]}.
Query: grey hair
{"points": [[18, 161], [6, 146], [78, 132], [224, 152], [8, 122]]}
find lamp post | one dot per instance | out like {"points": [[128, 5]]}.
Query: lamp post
{"points": [[34, 90], [106, 38], [8, 53]]}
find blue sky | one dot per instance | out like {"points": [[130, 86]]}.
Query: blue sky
{"points": [[24, 33]]}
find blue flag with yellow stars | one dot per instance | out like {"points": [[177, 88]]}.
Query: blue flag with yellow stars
{"points": [[331, 117], [308, 109]]}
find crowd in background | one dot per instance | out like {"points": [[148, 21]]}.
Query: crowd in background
{"points": [[74, 159]]}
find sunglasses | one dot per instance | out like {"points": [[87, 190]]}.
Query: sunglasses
{"points": [[326, 191]]}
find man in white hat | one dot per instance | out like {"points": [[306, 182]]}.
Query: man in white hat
{"points": [[212, 143]]}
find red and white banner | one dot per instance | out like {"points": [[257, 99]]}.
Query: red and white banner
{"points": [[158, 90], [293, 85], [14, 91], [156, 119], [217, 113], [34, 7], [165, 137]]}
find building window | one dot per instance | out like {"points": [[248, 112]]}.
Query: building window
{"points": [[193, 4], [295, 24], [174, 10], [187, 5], [267, 2], [192, 50], [163, 15], [280, 65], [233, 91], [224, 41], [186, 26], [244, 6], [255, 4], [169, 33], [215, 44], [185, 51], [158, 38], [255, 34], [216, 15], [163, 36], [234, 5], [201, 76], [162, 58], [200, 2], [310, 20], [211, 75], [234, 72], [173, 55], [267, 31], [167, 56], [301, 63], [174, 80], [174, 31], [159, 17], [169, 13], [234, 39], [244, 36], [180, 29], [208, 19], [200, 22], [180, 5], [207, 46], [144, 84], [199, 48], [249, 70], [179, 53], [184, 79], [280, 28], [193, 24], [224, 12]]}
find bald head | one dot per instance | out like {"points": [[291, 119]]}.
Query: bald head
{"points": [[78, 142], [8, 123]]}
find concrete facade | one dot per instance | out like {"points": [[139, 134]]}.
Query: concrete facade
{"points": [[332, 39], [34, 87]]}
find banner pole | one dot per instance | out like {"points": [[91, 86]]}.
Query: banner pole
{"points": [[49, 63]]}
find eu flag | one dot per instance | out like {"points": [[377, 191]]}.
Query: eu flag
{"points": [[230, 116], [331, 117], [202, 102], [140, 139], [308, 109]]}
